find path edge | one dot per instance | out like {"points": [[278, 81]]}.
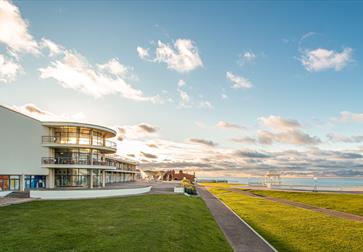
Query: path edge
{"points": [[251, 228]]}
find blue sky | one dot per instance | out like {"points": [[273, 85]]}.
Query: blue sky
{"points": [[295, 67]]}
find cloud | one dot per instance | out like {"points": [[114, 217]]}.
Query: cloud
{"points": [[250, 154], [224, 96], [136, 132], [142, 52], [248, 140], [238, 81], [323, 59], [205, 105], [296, 137], [279, 123], [147, 128], [344, 139], [113, 66], [74, 72], [182, 57], [14, 30], [285, 131], [43, 115], [181, 83], [53, 48], [152, 145], [346, 116], [148, 155], [8, 69], [202, 141], [246, 57], [185, 101], [227, 125]]}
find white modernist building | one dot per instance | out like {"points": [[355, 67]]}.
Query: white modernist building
{"points": [[35, 154]]}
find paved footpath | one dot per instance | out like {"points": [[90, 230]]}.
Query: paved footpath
{"points": [[12, 201], [240, 236]]}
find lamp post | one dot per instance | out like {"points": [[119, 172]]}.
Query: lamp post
{"points": [[315, 184]]}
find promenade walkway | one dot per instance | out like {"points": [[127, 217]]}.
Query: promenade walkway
{"points": [[240, 235]]}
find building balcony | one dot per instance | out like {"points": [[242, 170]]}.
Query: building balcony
{"points": [[105, 145], [65, 162]]}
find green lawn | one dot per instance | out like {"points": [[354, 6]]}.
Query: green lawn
{"points": [[294, 229], [138, 223], [350, 203]]}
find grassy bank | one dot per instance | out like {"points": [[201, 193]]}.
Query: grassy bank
{"points": [[350, 203], [140, 223], [294, 229]]}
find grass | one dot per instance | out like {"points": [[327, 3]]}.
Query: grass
{"points": [[220, 185], [350, 203], [294, 229], [139, 223]]}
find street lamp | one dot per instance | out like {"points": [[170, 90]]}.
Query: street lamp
{"points": [[315, 184]]}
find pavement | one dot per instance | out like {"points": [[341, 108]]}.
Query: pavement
{"points": [[239, 234], [11, 201]]}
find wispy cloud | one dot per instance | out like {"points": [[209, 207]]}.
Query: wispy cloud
{"points": [[346, 116], [202, 141], [323, 59], [142, 52], [181, 83], [344, 139], [248, 140], [182, 56], [279, 123], [44, 115], [246, 57], [238, 81], [9, 69], [53, 48], [14, 30], [286, 131], [296, 137], [227, 125], [73, 71]]}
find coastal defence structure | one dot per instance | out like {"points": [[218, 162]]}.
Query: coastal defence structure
{"points": [[36, 154]]}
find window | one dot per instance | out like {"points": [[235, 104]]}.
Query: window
{"points": [[33, 182]]}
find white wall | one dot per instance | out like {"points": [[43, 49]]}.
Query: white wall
{"points": [[84, 194], [20, 144]]}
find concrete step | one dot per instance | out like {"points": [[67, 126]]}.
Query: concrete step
{"points": [[18, 195]]}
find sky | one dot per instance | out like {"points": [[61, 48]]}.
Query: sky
{"points": [[220, 88]]}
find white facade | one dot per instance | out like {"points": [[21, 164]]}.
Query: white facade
{"points": [[21, 144], [35, 154]]}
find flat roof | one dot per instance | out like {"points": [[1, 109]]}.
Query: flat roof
{"points": [[111, 132]]}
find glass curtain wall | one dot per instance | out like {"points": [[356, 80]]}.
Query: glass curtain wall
{"points": [[78, 156], [77, 135], [77, 178]]}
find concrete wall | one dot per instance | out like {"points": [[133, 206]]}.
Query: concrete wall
{"points": [[84, 194], [20, 144]]}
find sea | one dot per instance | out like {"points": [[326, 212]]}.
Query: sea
{"points": [[322, 184]]}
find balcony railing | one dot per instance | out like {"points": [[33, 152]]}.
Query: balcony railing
{"points": [[81, 141], [72, 161]]}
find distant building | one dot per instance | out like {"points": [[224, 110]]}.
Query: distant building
{"points": [[171, 175], [35, 154]]}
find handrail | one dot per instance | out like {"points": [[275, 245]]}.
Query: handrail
{"points": [[70, 140], [72, 161]]}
